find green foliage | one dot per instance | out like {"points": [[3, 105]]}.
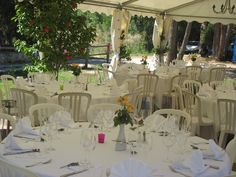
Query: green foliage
{"points": [[124, 52], [122, 116], [160, 51], [55, 29]]}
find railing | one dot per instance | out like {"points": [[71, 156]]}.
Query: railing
{"points": [[105, 52]]}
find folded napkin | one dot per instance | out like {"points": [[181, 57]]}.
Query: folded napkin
{"points": [[215, 152], [63, 119], [192, 166], [131, 168], [11, 143], [23, 127]]}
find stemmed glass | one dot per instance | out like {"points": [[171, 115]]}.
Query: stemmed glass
{"points": [[46, 132], [88, 144], [169, 141]]}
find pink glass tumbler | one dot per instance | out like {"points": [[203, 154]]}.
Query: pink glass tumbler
{"points": [[101, 137]]}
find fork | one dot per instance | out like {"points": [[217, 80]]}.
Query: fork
{"points": [[42, 162]]}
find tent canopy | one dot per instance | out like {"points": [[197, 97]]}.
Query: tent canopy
{"points": [[189, 10]]}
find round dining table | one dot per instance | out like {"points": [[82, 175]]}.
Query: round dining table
{"points": [[67, 149]]}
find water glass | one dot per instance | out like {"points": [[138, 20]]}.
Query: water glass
{"points": [[88, 144]]}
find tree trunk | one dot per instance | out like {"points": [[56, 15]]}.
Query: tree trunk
{"points": [[221, 51], [227, 41], [185, 41], [172, 54], [216, 39]]}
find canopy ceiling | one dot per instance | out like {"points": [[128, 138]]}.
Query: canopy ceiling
{"points": [[189, 10]]}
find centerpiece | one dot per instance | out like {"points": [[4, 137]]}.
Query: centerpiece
{"points": [[122, 118], [76, 70]]}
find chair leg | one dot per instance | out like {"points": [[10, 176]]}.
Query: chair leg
{"points": [[222, 139]]}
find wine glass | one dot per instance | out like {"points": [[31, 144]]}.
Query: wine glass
{"points": [[168, 141], [46, 132], [88, 144]]}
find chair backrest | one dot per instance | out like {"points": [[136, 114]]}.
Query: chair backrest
{"points": [[24, 100], [40, 112], [132, 84], [149, 83], [215, 84], [7, 123], [178, 80], [194, 72], [178, 98], [135, 99], [183, 118], [217, 74], [76, 103], [10, 170], [192, 105], [192, 86], [98, 112], [231, 149], [6, 85], [227, 114]]}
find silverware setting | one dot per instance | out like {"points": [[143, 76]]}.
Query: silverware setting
{"points": [[39, 163], [21, 152], [73, 173], [175, 171], [71, 164]]}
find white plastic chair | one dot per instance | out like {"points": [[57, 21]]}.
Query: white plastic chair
{"points": [[180, 115], [76, 103], [202, 126], [6, 85], [227, 121], [135, 98], [149, 83], [169, 96], [194, 72], [7, 122], [192, 86], [215, 84], [24, 99], [217, 74], [40, 112], [10, 170]]}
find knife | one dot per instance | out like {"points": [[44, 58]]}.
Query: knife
{"points": [[22, 152], [22, 136], [73, 173]]}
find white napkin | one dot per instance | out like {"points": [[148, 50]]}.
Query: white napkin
{"points": [[131, 168], [23, 127], [192, 166], [11, 143], [214, 152], [63, 119]]}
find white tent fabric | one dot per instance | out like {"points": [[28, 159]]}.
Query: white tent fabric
{"points": [[189, 10], [161, 27], [119, 24]]}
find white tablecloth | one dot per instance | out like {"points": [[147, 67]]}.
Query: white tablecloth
{"points": [[68, 149]]}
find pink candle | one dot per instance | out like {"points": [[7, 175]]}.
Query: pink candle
{"points": [[101, 137]]}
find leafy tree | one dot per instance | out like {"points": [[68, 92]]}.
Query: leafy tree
{"points": [[55, 29], [7, 26]]}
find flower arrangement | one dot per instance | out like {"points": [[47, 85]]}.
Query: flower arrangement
{"points": [[193, 57], [122, 116], [76, 69], [144, 60]]}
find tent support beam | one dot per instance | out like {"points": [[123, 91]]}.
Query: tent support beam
{"points": [[128, 2], [183, 5], [115, 6]]}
